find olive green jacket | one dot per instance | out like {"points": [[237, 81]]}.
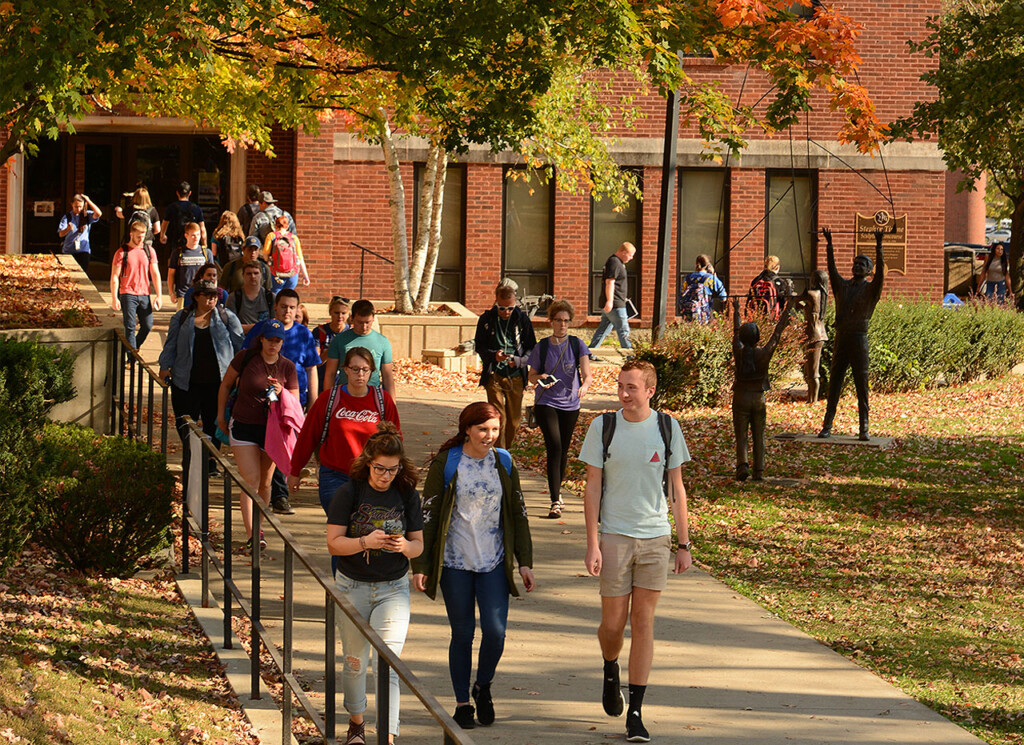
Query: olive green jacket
{"points": [[438, 502]]}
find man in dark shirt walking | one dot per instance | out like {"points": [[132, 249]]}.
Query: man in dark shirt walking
{"points": [[613, 298]]}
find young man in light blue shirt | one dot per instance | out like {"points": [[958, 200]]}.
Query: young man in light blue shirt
{"points": [[629, 537]]}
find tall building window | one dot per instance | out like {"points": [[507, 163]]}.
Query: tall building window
{"points": [[791, 224], [529, 234], [448, 275], [609, 229], [703, 220]]}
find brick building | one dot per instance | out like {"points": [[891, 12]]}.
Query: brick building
{"points": [[771, 200]]}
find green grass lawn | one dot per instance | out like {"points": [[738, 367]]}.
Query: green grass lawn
{"points": [[909, 561], [107, 661]]}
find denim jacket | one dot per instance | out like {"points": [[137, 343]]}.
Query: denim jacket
{"points": [[226, 330]]}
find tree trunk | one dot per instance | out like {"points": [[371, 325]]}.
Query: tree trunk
{"points": [[434, 242], [396, 201], [1016, 253], [426, 209]]}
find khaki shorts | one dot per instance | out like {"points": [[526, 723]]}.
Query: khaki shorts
{"points": [[634, 562]]}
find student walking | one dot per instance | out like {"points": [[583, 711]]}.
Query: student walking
{"points": [[374, 526], [560, 368], [475, 530], [628, 454]]}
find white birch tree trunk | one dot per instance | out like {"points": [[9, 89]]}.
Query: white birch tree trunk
{"points": [[396, 201], [424, 213], [434, 231]]}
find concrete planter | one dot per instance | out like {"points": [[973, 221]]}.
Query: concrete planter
{"points": [[93, 351], [410, 335]]}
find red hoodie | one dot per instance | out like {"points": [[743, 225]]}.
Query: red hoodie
{"points": [[353, 420]]}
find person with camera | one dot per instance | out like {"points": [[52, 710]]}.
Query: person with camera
{"points": [[560, 368], [263, 375]]}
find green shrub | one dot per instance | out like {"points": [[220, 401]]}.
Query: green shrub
{"points": [[104, 502], [913, 345], [33, 377], [694, 361]]}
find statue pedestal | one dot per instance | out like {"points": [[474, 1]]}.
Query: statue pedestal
{"points": [[879, 443]]}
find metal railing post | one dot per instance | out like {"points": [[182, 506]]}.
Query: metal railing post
{"points": [[289, 621], [163, 424], [383, 674], [122, 361], [138, 402], [149, 409], [114, 378], [330, 672], [254, 590], [227, 561], [186, 466], [131, 394], [204, 523]]}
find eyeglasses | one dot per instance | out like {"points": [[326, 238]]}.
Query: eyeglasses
{"points": [[561, 320], [506, 308], [359, 370], [385, 471]]}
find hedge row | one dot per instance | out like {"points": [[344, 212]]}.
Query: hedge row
{"points": [[98, 503], [913, 345]]}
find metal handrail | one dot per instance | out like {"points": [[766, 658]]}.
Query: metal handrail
{"points": [[362, 266], [387, 659], [132, 372]]}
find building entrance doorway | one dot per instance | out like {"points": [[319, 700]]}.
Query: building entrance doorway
{"points": [[109, 167]]}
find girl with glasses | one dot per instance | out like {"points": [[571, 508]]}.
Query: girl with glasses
{"points": [[475, 532], [340, 422], [560, 368], [374, 526]]}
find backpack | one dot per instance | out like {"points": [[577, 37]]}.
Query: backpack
{"points": [[283, 260], [764, 296], [574, 344], [608, 420], [452, 464], [176, 229], [695, 300], [230, 248], [378, 397], [141, 215]]}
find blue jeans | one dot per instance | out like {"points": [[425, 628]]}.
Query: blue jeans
{"points": [[615, 318], [385, 605], [330, 481], [136, 309], [489, 591], [288, 283], [996, 290]]}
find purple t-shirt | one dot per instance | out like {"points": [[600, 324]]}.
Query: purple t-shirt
{"points": [[560, 362]]}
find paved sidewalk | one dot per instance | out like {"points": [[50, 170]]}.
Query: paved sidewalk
{"points": [[725, 671]]}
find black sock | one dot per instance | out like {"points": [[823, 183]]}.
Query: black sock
{"points": [[636, 698], [611, 667]]}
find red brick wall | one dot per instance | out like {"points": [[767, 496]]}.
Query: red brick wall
{"points": [[965, 210], [484, 193], [278, 174]]}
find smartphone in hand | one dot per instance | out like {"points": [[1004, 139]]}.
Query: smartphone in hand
{"points": [[546, 381]]}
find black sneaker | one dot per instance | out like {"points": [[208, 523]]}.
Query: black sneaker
{"points": [[635, 729], [283, 507], [484, 704], [214, 470], [463, 716], [611, 697]]}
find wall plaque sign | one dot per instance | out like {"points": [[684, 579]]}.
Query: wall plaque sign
{"points": [[894, 242]]}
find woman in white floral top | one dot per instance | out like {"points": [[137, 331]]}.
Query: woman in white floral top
{"points": [[474, 531]]}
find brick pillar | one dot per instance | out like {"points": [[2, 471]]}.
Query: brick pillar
{"points": [[483, 234], [572, 249], [746, 209]]}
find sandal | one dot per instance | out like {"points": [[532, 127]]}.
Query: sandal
{"points": [[356, 734], [556, 510]]}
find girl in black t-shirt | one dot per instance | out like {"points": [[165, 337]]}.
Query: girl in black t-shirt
{"points": [[375, 525]]}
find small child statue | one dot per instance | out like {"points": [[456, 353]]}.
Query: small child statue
{"points": [[748, 408]]}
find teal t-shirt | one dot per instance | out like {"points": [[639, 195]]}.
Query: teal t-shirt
{"points": [[634, 502], [375, 341]]}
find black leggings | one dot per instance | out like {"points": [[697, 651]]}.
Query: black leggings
{"points": [[557, 426], [200, 403]]}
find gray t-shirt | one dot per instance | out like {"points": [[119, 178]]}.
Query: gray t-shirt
{"points": [[251, 311], [475, 540], [634, 502]]}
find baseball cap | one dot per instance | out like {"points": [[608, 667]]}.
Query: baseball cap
{"points": [[273, 330], [254, 241], [268, 197], [205, 287]]}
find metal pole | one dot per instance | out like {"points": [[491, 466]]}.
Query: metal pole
{"points": [[204, 526], [362, 271], [149, 411], [186, 466], [330, 672], [254, 639], [383, 673], [138, 400], [163, 425], [668, 185], [115, 377], [227, 560], [131, 396], [289, 621]]}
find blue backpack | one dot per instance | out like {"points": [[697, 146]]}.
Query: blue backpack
{"points": [[695, 300], [455, 455]]}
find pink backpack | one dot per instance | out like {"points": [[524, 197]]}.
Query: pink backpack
{"points": [[283, 260]]}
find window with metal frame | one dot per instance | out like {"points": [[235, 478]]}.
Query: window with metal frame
{"points": [[451, 255], [528, 233], [789, 233], [703, 220], [609, 229]]}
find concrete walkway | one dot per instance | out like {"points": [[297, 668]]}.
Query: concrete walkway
{"points": [[725, 671]]}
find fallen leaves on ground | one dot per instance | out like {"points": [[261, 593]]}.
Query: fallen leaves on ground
{"points": [[38, 292], [107, 661]]}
